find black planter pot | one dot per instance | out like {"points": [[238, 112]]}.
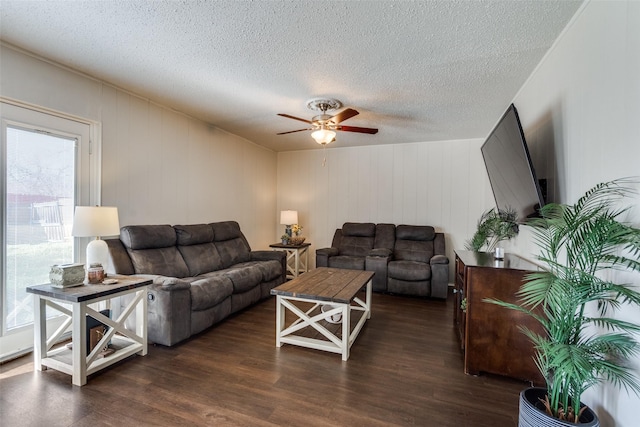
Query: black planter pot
{"points": [[532, 412]]}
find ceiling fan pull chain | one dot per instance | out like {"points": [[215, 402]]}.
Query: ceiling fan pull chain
{"points": [[324, 152]]}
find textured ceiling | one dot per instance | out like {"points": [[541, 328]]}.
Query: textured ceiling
{"points": [[418, 71]]}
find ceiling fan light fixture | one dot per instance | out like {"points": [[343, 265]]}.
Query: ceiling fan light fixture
{"points": [[323, 136]]}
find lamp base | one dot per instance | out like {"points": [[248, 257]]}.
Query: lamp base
{"points": [[97, 253]]}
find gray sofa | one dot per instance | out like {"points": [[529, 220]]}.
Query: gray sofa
{"points": [[201, 274], [407, 259]]}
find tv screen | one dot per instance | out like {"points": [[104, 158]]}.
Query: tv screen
{"points": [[511, 173]]}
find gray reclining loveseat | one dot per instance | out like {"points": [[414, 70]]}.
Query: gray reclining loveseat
{"points": [[201, 274], [407, 259]]}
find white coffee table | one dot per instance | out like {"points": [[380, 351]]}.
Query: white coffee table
{"points": [[337, 288]]}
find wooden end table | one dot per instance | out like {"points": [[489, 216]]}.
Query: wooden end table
{"points": [[75, 361], [295, 264], [334, 287]]}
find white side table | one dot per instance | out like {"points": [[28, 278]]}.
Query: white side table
{"points": [[295, 262], [125, 344]]}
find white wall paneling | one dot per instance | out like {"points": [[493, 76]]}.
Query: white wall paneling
{"points": [[442, 184], [159, 166], [581, 108]]}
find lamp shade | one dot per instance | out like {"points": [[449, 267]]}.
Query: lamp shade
{"points": [[288, 217], [323, 136], [95, 221]]}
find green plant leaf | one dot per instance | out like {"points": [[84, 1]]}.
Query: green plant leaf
{"points": [[494, 226], [581, 245]]}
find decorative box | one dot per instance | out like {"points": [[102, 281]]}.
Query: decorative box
{"points": [[66, 275]]}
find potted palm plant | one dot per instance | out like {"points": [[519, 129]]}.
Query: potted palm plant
{"points": [[494, 226], [574, 298]]}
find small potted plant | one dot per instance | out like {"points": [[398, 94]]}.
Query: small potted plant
{"points": [[574, 298], [285, 239], [494, 226]]}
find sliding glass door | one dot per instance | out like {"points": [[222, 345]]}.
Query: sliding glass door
{"points": [[45, 173]]}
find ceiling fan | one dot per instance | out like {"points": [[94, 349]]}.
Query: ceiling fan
{"points": [[325, 125]]}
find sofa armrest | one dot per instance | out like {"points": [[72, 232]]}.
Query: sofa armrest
{"points": [[439, 259], [323, 255], [280, 256], [267, 255], [439, 244], [380, 252], [169, 310], [167, 284], [378, 264], [440, 280]]}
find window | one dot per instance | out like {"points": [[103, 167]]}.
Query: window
{"points": [[46, 170]]}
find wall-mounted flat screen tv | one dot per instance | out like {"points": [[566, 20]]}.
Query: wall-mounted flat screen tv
{"points": [[511, 172]]}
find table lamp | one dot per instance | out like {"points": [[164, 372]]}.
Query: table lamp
{"points": [[96, 221], [288, 218]]}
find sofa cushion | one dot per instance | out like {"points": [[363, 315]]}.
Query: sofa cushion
{"points": [[207, 292], [415, 232], [419, 288], [244, 277], [409, 270], [226, 230], [359, 229], [412, 250], [160, 261], [356, 246], [148, 236], [196, 247], [152, 250], [357, 239], [230, 243], [271, 269], [195, 234], [348, 262], [201, 258], [414, 243]]}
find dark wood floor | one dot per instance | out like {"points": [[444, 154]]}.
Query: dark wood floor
{"points": [[405, 369]]}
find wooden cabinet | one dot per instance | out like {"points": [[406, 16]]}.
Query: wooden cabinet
{"points": [[489, 335], [459, 310]]}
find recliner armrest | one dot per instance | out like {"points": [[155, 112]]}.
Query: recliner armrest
{"points": [[168, 310], [280, 256], [380, 252], [378, 264], [170, 284], [328, 251], [439, 259], [323, 255]]}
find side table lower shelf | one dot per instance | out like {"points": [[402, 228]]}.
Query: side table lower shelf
{"points": [[61, 359]]}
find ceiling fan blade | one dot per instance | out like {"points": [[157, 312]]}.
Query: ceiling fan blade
{"points": [[357, 129], [292, 131], [295, 118], [344, 115]]}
